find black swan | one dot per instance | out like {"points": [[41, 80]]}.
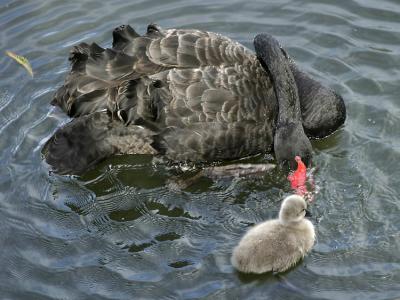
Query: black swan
{"points": [[188, 95]]}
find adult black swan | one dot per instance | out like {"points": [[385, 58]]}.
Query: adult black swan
{"points": [[188, 95]]}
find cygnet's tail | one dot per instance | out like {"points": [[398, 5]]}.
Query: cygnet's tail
{"points": [[87, 140]]}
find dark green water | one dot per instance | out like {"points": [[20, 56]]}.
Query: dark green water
{"points": [[120, 233]]}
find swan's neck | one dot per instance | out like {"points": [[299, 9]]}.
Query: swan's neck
{"points": [[276, 64]]}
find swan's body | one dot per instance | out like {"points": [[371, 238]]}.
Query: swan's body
{"points": [[189, 95], [276, 245]]}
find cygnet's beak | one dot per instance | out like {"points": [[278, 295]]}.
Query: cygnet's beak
{"points": [[308, 214]]}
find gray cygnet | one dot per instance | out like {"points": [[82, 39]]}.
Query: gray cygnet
{"points": [[276, 245]]}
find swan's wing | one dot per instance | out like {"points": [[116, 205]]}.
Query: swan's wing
{"points": [[187, 114]]}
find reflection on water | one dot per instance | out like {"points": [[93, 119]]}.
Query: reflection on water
{"points": [[120, 232]]}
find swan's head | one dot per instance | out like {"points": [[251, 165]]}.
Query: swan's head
{"points": [[291, 141], [293, 209]]}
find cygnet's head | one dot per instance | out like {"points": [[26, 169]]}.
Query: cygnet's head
{"points": [[293, 209]]}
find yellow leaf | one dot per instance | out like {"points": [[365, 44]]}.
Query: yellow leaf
{"points": [[21, 60]]}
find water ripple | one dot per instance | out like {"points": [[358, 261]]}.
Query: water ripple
{"points": [[120, 232]]}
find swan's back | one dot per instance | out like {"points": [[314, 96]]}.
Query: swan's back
{"points": [[98, 73]]}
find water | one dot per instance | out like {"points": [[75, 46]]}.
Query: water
{"points": [[119, 232]]}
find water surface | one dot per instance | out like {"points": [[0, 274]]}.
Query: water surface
{"points": [[119, 232]]}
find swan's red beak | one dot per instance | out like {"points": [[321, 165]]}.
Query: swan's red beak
{"points": [[298, 178]]}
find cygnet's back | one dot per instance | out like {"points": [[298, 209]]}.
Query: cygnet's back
{"points": [[278, 244]]}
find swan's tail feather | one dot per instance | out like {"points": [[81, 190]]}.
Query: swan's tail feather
{"points": [[87, 140], [97, 73], [79, 55], [81, 93], [122, 35], [110, 65]]}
